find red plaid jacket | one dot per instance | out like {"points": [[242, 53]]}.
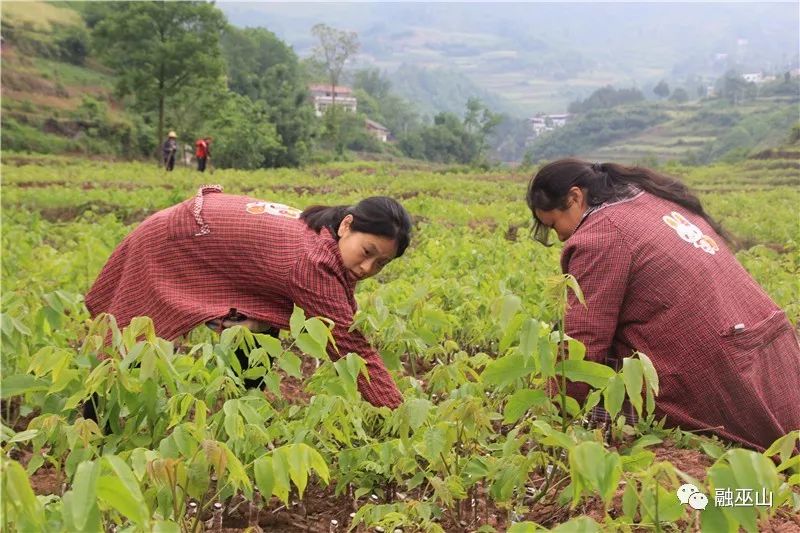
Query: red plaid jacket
{"points": [[194, 261], [658, 279]]}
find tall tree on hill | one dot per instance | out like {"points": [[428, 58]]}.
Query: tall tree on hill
{"points": [[334, 49], [661, 89], [157, 48]]}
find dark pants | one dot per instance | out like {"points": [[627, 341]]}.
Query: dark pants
{"points": [[169, 161], [201, 164], [245, 364]]}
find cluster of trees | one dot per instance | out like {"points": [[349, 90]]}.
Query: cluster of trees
{"points": [[595, 128], [606, 98], [180, 66]]}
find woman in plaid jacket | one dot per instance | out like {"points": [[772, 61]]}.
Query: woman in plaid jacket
{"points": [[195, 262], [658, 278]]}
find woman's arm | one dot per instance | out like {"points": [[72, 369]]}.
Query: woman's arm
{"points": [[319, 292], [599, 259]]}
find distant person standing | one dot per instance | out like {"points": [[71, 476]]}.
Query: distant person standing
{"points": [[170, 148], [202, 152]]}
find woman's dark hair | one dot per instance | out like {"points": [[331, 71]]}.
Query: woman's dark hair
{"points": [[602, 182], [377, 215]]}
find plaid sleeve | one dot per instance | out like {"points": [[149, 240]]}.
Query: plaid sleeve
{"points": [[600, 260], [320, 292]]}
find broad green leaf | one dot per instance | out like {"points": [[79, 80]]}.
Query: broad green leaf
{"points": [[529, 338], [614, 395], [297, 321], [712, 450], [591, 465], [595, 374], [650, 374], [510, 333], [271, 344], [131, 497], [19, 496], [291, 364], [581, 524], [22, 436], [308, 345], [22, 384], [520, 402], [572, 283], [265, 477], [510, 305], [280, 470], [576, 349], [632, 374], [319, 331], [163, 526], [670, 508], [507, 369], [84, 489], [630, 501], [416, 412]]}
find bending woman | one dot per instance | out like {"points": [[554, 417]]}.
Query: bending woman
{"points": [[658, 278], [200, 260]]}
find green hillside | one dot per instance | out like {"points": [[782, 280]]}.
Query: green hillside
{"points": [[697, 132], [56, 98]]}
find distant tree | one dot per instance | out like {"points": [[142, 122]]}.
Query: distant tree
{"points": [[372, 82], [661, 89], [679, 95], [334, 49], [605, 98], [451, 139], [156, 48], [794, 135], [733, 87], [479, 121], [263, 68]]}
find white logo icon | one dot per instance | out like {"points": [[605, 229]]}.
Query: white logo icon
{"points": [[698, 501], [690, 494]]}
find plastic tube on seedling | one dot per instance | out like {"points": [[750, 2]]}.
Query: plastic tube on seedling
{"points": [[352, 515], [398, 530], [255, 507], [379, 529], [401, 496], [191, 509], [549, 469], [334, 525], [374, 497], [217, 522]]}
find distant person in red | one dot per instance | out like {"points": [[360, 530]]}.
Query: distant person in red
{"points": [[195, 262], [202, 152], [658, 278]]}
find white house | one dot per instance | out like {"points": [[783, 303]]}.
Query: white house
{"points": [[323, 97], [753, 77], [541, 122], [380, 131]]}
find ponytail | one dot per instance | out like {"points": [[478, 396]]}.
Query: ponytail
{"points": [[603, 182]]}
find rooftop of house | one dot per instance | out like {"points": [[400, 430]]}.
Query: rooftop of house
{"points": [[320, 88]]}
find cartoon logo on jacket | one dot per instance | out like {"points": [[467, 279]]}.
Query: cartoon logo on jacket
{"points": [[690, 233], [271, 208]]}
